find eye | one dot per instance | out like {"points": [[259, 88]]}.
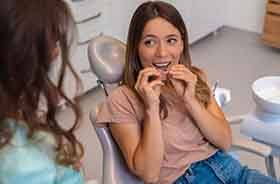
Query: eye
{"points": [[149, 42], [172, 41]]}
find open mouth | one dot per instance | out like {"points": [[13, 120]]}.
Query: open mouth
{"points": [[162, 66]]}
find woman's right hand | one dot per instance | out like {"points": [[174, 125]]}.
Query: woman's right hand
{"points": [[149, 90]]}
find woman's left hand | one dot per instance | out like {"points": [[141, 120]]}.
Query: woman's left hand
{"points": [[183, 81]]}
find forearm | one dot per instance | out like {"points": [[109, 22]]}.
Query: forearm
{"points": [[215, 129], [149, 153]]}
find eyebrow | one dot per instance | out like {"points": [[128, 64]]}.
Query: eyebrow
{"points": [[148, 35], [173, 35], [151, 35]]}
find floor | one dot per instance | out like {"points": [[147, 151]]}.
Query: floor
{"points": [[233, 57], [236, 59]]}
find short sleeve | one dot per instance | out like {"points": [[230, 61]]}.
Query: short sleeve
{"points": [[32, 160], [67, 175], [121, 106]]}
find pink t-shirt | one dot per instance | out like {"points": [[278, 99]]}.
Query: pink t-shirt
{"points": [[183, 142]]}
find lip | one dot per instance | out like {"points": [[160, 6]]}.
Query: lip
{"points": [[162, 65]]}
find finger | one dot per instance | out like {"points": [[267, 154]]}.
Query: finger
{"points": [[180, 76], [182, 69], [139, 78], [175, 82], [178, 85], [184, 77], [141, 75], [155, 83], [178, 66], [157, 88], [185, 72], [147, 74], [180, 73], [144, 79]]}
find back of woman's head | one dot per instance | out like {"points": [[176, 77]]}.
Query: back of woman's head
{"points": [[30, 32], [143, 14]]}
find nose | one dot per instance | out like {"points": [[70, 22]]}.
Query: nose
{"points": [[161, 50]]}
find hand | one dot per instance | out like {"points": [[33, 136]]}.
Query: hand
{"points": [[147, 89], [183, 81]]}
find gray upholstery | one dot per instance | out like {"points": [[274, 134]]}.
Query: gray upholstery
{"points": [[115, 170], [107, 56]]}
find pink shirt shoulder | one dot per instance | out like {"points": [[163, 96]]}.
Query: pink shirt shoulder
{"points": [[121, 106]]}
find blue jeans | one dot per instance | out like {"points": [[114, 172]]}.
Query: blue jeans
{"points": [[221, 168]]}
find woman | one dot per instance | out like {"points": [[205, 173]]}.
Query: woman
{"points": [[163, 116], [34, 147]]}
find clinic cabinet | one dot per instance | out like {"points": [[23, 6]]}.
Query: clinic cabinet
{"points": [[271, 29]]}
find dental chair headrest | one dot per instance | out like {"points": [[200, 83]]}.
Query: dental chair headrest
{"points": [[107, 58]]}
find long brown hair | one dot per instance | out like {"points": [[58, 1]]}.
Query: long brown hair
{"points": [[144, 13], [30, 30]]}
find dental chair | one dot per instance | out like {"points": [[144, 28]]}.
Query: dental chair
{"points": [[107, 58]]}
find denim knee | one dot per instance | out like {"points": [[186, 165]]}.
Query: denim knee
{"points": [[223, 168], [252, 176]]}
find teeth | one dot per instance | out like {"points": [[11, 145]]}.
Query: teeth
{"points": [[160, 65]]}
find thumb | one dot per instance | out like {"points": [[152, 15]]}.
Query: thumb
{"points": [[157, 86], [174, 82]]}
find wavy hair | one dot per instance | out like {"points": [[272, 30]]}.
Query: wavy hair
{"points": [[30, 30]]}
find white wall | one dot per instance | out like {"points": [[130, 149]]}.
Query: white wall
{"points": [[246, 14]]}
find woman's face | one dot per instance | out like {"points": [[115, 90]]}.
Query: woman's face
{"points": [[161, 45]]}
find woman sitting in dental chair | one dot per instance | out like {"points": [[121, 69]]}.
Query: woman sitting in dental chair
{"points": [[163, 116], [34, 148]]}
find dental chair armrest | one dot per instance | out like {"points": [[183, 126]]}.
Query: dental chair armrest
{"points": [[251, 146], [235, 120], [222, 96], [240, 143]]}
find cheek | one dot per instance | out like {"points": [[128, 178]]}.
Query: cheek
{"points": [[176, 55], [145, 57]]}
